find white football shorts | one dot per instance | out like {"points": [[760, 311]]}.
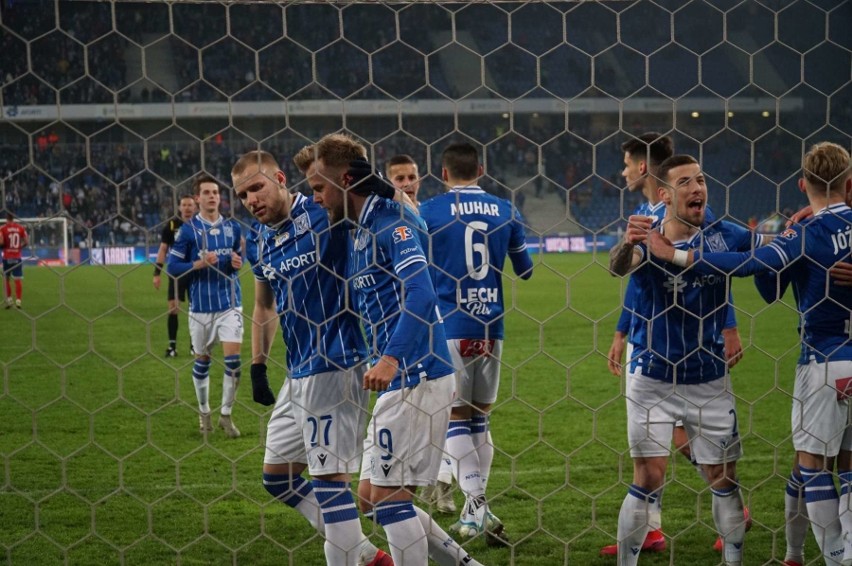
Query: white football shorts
{"points": [[406, 436], [707, 411], [820, 416], [320, 420], [477, 365], [208, 328]]}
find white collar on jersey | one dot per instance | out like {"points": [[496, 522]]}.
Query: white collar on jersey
{"points": [[368, 208], [210, 222], [833, 208], [468, 188]]}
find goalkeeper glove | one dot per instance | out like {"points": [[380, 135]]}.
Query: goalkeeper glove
{"points": [[260, 390], [364, 180]]}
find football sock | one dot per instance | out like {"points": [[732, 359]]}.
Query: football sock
{"points": [[466, 460], [633, 524], [822, 501], [442, 548], [845, 510], [445, 472], [406, 537], [230, 383], [172, 324], [298, 493], [728, 516], [480, 433], [655, 513], [796, 518], [18, 289], [342, 527], [201, 380]]}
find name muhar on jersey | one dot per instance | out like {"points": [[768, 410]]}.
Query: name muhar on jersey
{"points": [[474, 207]]}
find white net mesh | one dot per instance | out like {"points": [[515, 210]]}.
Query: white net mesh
{"points": [[109, 109]]}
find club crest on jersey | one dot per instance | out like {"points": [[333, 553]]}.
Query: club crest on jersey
{"points": [[361, 241], [716, 243], [302, 223], [401, 234], [229, 231], [281, 238]]}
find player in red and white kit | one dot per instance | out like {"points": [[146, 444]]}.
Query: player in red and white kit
{"points": [[13, 238]]}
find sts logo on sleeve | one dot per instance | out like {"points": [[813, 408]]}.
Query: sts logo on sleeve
{"points": [[401, 234]]}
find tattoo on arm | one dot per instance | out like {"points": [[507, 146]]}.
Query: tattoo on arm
{"points": [[620, 258]]}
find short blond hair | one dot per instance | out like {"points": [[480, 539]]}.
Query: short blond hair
{"points": [[337, 150], [304, 158], [257, 157], [826, 165]]}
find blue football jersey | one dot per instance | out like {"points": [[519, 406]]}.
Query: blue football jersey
{"points": [[304, 262], [469, 281], [636, 326], [802, 255], [215, 288], [396, 299], [687, 310]]}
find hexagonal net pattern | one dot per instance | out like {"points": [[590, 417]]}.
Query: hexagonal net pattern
{"points": [[111, 108]]}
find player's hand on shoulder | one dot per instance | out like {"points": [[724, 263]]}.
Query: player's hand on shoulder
{"points": [[260, 390], [804, 213], [365, 180], [660, 246]]}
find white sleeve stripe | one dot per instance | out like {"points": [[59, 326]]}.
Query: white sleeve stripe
{"points": [[409, 261], [785, 259], [518, 249]]}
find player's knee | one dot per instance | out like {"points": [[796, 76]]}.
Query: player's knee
{"points": [[288, 489], [232, 366], [365, 504], [720, 476]]}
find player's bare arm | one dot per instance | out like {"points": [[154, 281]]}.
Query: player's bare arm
{"points": [[624, 256], [264, 322], [615, 354], [161, 260], [733, 346]]}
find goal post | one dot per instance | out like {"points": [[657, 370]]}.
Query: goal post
{"points": [[48, 240]]}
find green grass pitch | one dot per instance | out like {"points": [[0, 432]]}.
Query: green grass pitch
{"points": [[103, 462]]}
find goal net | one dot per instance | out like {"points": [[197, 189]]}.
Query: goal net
{"points": [[110, 108]]}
